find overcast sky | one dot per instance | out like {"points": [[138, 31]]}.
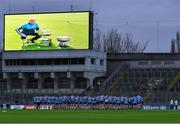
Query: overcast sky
{"points": [[138, 17]]}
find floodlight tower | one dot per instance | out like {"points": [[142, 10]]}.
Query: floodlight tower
{"points": [[33, 9], [33, 6], [95, 14], [157, 35], [91, 5], [71, 8], [9, 7]]}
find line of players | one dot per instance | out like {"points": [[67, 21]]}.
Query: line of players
{"points": [[87, 102]]}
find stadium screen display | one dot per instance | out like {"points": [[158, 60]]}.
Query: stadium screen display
{"points": [[47, 31]]}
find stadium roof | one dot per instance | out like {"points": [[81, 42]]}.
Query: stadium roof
{"points": [[143, 56]]}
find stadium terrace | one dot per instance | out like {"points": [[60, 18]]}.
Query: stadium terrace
{"points": [[27, 74]]}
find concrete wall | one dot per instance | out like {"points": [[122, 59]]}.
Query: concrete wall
{"points": [[87, 67]]}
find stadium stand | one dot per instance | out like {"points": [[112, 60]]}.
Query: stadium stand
{"points": [[154, 76]]}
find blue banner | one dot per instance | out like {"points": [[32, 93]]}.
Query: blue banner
{"points": [[159, 107]]}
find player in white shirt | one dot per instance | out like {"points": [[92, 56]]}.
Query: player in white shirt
{"points": [[176, 104], [171, 104]]}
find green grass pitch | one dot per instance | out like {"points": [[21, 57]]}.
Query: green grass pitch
{"points": [[74, 25], [89, 116]]}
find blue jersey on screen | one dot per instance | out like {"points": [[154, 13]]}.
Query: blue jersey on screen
{"points": [[28, 28]]}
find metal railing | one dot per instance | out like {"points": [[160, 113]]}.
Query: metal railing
{"points": [[173, 81], [121, 69]]}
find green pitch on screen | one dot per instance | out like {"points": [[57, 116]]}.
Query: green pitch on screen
{"points": [[74, 25]]}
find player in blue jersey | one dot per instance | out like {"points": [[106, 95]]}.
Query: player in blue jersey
{"points": [[122, 102], [131, 102], [29, 28], [139, 101], [126, 102], [134, 103]]}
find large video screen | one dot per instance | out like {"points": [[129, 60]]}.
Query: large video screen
{"points": [[47, 31]]}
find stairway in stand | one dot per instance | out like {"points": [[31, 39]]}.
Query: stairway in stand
{"points": [[173, 81], [114, 79]]}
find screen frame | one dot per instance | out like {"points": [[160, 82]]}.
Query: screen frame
{"points": [[90, 30]]}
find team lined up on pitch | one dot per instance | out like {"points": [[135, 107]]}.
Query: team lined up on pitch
{"points": [[88, 102]]}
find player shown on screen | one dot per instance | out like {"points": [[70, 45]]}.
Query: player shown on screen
{"points": [[29, 28]]}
